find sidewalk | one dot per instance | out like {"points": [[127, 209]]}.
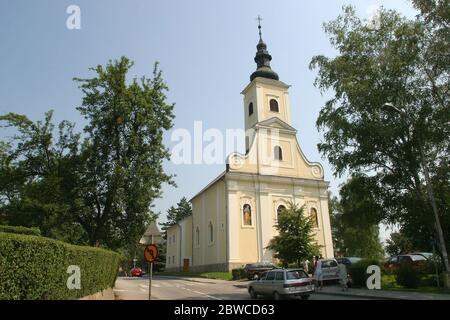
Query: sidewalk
{"points": [[382, 294]]}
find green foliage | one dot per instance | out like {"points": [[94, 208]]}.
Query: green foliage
{"points": [[398, 243], [36, 176], [295, 241], [238, 274], [217, 275], [403, 62], [354, 218], [358, 271], [176, 214], [98, 189], [35, 268], [20, 230], [408, 276]]}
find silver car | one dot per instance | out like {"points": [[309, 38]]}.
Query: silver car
{"points": [[279, 283]]}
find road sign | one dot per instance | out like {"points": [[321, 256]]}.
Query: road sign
{"points": [[151, 253]]}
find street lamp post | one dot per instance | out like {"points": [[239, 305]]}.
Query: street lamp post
{"points": [[430, 195]]}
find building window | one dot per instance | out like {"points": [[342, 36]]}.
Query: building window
{"points": [[197, 237], [250, 109], [173, 239], [173, 259], [280, 210], [211, 232], [247, 214], [314, 218], [277, 153], [273, 105]]}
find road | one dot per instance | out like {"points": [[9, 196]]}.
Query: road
{"points": [[181, 288]]}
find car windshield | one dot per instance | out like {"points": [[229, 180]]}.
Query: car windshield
{"points": [[418, 258], [329, 263], [296, 274]]}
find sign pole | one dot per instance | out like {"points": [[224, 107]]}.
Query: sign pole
{"points": [[150, 276], [150, 255], [150, 286]]}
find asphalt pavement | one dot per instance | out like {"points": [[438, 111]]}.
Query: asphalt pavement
{"points": [[185, 288]]}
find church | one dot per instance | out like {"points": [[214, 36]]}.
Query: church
{"points": [[234, 216]]}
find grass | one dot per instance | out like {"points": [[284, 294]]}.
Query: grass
{"points": [[208, 275], [389, 283]]}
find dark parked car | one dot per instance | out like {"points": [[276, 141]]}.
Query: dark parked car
{"points": [[393, 263], [348, 261], [254, 270]]}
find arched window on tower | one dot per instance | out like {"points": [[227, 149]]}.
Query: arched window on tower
{"points": [[280, 210], [211, 232], [277, 153], [273, 105], [250, 109], [314, 218]]}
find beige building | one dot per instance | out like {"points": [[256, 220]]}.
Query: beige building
{"points": [[234, 216]]}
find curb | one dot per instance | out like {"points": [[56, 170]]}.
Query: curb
{"points": [[346, 294], [189, 279]]}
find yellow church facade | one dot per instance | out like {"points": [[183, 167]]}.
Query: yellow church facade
{"points": [[234, 216]]}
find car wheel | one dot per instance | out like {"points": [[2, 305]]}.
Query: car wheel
{"points": [[276, 296], [252, 293], [305, 297]]}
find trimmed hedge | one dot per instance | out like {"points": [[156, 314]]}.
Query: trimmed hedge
{"points": [[408, 276], [20, 230], [358, 271], [238, 274], [33, 267]]}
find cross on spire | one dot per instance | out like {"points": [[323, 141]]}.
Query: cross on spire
{"points": [[259, 26]]}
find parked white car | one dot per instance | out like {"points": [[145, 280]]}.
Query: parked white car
{"points": [[327, 269]]}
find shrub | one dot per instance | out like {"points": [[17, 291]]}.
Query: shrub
{"points": [[33, 267], [238, 274], [408, 276], [20, 230], [358, 271]]}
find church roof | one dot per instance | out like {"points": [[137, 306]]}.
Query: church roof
{"points": [[220, 176], [276, 122], [262, 59]]}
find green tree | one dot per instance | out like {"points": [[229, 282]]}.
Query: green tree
{"points": [[122, 170], [295, 240], [182, 210], [398, 243], [403, 62], [98, 190], [36, 176], [355, 230]]}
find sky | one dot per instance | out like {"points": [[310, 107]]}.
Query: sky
{"points": [[205, 49]]}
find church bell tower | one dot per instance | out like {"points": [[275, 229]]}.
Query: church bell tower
{"points": [[265, 97]]}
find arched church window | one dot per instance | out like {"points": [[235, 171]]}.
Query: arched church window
{"points": [[277, 153], [247, 215], [273, 105], [314, 218], [211, 232], [250, 109], [197, 236], [280, 210]]}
